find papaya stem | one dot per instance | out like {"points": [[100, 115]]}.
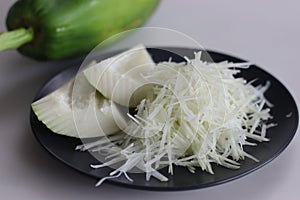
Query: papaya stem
{"points": [[15, 38]]}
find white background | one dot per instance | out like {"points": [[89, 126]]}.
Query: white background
{"points": [[266, 32]]}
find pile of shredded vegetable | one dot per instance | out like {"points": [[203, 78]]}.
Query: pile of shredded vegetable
{"points": [[198, 114]]}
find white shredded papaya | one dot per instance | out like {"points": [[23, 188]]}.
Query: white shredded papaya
{"points": [[199, 114]]}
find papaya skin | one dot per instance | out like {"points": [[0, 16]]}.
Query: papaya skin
{"points": [[70, 28]]}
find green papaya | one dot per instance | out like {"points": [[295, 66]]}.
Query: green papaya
{"points": [[55, 29]]}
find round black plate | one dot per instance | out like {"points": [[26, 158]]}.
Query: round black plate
{"points": [[63, 148]]}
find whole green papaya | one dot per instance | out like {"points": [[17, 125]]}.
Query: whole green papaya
{"points": [[56, 29]]}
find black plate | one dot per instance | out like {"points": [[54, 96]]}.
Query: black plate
{"points": [[62, 147]]}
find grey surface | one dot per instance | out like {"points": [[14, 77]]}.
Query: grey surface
{"points": [[265, 32]]}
